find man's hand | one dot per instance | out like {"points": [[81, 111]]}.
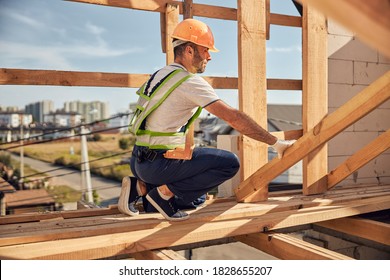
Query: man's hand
{"points": [[281, 145]]}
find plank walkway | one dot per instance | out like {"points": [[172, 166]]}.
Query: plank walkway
{"points": [[104, 232]]}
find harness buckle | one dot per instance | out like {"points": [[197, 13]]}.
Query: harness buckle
{"points": [[150, 155]]}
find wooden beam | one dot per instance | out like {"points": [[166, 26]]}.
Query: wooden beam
{"points": [[368, 229], [252, 82], [36, 217], [158, 255], [285, 20], [370, 20], [286, 247], [186, 232], [70, 78], [356, 108], [200, 10], [171, 20], [359, 159], [268, 18], [284, 84], [289, 134], [188, 9], [314, 96], [10, 76]]}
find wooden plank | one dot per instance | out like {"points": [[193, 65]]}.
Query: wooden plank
{"points": [[285, 20], [314, 96], [186, 232], [252, 82], [368, 229], [163, 33], [10, 76], [218, 211], [289, 134], [359, 159], [268, 18], [70, 78], [158, 255], [356, 108], [31, 217], [370, 20], [286, 247], [200, 10], [284, 84]]}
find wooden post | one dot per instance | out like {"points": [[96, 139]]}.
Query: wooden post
{"points": [[268, 18], [252, 82], [188, 9], [171, 20], [314, 95]]}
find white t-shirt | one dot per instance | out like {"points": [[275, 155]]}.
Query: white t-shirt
{"points": [[181, 104]]}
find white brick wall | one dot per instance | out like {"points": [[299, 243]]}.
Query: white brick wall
{"points": [[352, 67]]}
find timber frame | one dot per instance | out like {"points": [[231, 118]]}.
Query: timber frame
{"points": [[318, 128]]}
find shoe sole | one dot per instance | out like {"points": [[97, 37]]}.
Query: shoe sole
{"points": [[123, 203], [159, 209]]}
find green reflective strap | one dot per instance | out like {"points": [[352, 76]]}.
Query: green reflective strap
{"points": [[157, 147], [164, 96], [194, 117], [155, 133]]}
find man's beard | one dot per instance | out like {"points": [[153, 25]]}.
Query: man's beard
{"points": [[199, 63]]}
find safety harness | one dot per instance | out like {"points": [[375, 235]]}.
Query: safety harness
{"points": [[149, 100]]}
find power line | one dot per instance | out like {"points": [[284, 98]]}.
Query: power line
{"points": [[120, 115], [60, 138], [71, 166]]}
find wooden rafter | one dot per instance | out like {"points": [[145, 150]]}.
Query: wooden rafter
{"points": [[356, 108], [368, 229], [359, 159], [285, 247]]}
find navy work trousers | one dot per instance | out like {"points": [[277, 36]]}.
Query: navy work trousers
{"points": [[187, 179]]}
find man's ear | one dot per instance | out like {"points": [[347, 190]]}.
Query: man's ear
{"points": [[190, 50]]}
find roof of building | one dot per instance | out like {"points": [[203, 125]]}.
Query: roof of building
{"points": [[28, 198], [284, 117]]}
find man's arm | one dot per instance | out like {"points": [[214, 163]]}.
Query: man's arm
{"points": [[247, 126], [240, 122]]}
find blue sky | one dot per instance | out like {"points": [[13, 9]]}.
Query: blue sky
{"points": [[61, 35]]}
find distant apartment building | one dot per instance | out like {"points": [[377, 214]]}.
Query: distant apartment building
{"points": [[64, 119], [39, 109], [14, 119], [89, 111], [9, 109], [121, 122]]}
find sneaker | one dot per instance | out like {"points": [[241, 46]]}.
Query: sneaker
{"points": [[128, 197], [165, 207]]}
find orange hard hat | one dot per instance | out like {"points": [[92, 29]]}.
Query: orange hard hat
{"points": [[195, 31]]}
